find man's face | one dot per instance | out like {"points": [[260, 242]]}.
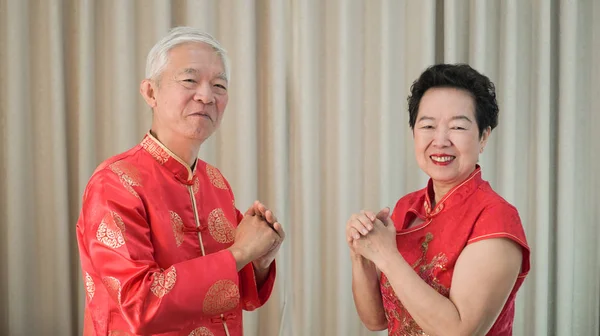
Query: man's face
{"points": [[191, 94]]}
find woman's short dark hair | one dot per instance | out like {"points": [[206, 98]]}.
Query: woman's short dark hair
{"points": [[460, 76]]}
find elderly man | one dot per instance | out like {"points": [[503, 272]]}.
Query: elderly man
{"points": [[163, 248]]}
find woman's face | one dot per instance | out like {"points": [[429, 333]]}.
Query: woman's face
{"points": [[446, 135]]}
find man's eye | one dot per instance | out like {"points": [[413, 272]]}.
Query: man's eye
{"points": [[221, 86], [189, 81]]}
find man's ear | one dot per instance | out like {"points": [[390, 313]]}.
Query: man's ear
{"points": [[148, 92]]}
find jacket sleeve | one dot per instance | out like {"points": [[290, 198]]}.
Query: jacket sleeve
{"points": [[254, 297]]}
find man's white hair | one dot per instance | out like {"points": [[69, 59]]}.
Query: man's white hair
{"points": [[158, 57]]}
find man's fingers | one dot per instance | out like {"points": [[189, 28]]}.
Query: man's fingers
{"points": [[251, 211], [279, 230], [270, 217], [262, 208]]}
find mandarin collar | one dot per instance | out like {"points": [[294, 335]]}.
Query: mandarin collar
{"points": [[454, 196], [168, 159]]}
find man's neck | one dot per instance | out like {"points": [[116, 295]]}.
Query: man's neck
{"points": [[185, 149]]}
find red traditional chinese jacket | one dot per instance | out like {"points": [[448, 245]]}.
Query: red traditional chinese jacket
{"points": [[153, 237]]}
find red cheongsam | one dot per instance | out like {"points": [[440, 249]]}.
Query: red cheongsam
{"points": [[153, 238], [468, 213]]}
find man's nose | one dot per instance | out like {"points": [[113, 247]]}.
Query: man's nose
{"points": [[204, 94]]}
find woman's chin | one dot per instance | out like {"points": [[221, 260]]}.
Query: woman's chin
{"points": [[443, 175]]}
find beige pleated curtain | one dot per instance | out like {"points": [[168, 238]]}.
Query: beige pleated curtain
{"points": [[316, 128]]}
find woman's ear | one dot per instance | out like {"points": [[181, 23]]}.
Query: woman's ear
{"points": [[484, 138]]}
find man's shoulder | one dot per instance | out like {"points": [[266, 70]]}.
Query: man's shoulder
{"points": [[212, 172], [130, 161]]}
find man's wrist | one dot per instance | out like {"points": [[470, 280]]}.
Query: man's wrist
{"points": [[240, 256], [261, 266], [260, 273]]}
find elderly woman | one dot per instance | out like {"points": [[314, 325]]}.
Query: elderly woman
{"points": [[451, 257]]}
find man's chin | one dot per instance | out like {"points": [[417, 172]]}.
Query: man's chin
{"points": [[201, 136]]}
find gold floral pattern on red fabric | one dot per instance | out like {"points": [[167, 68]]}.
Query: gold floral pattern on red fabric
{"points": [[164, 282], [154, 149], [202, 331], [128, 174], [398, 316], [177, 224], [428, 270], [90, 287], [196, 186], [399, 320], [219, 227], [215, 177], [113, 287], [222, 296], [111, 231]]}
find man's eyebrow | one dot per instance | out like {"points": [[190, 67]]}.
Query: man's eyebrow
{"points": [[190, 71], [222, 76]]}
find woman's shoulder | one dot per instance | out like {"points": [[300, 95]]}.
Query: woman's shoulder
{"points": [[488, 198]]}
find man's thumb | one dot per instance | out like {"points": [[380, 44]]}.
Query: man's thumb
{"points": [[251, 210]]}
